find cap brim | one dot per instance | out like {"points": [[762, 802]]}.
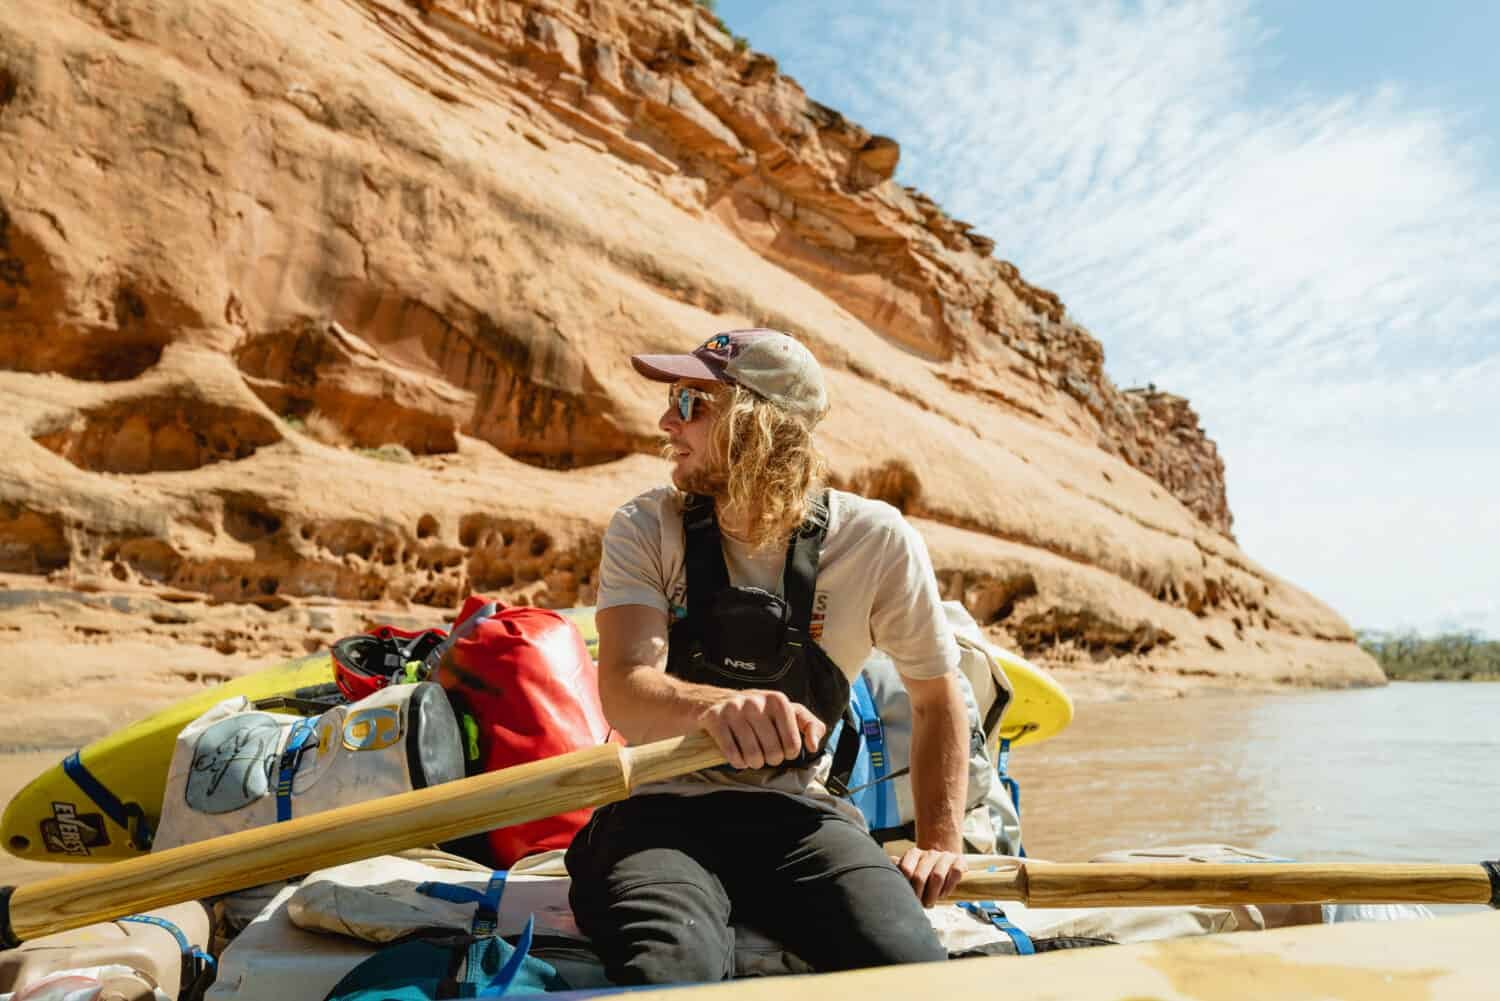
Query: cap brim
{"points": [[670, 368]]}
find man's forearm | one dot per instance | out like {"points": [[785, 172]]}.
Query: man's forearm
{"points": [[639, 698], [646, 704], [940, 765]]}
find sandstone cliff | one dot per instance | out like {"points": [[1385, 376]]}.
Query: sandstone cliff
{"points": [[318, 313]]}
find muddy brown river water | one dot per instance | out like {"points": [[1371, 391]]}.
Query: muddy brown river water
{"points": [[1409, 772]]}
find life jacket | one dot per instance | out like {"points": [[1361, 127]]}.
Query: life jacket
{"points": [[238, 767], [745, 637], [872, 759], [524, 687]]}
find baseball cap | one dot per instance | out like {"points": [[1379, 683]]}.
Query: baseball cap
{"points": [[769, 363]]}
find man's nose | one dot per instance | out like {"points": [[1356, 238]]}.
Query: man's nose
{"points": [[670, 420]]}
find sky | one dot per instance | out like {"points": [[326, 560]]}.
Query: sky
{"points": [[1287, 211]]}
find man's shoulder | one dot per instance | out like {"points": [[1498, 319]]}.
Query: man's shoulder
{"points": [[653, 505], [854, 511], [648, 519]]}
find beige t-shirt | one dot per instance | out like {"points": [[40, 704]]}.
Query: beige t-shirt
{"points": [[875, 589]]}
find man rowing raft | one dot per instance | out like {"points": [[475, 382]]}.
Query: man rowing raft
{"points": [[743, 600]]}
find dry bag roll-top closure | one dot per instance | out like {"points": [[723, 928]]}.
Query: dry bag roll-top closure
{"points": [[746, 637]]}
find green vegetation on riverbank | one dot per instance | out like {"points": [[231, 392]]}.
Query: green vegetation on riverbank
{"points": [[1449, 657]]}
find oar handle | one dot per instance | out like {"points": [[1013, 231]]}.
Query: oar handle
{"points": [[590, 777], [1150, 884]]}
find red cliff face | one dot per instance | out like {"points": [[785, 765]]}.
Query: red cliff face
{"points": [[316, 313]]}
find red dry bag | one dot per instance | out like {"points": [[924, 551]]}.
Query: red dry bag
{"points": [[524, 687]]}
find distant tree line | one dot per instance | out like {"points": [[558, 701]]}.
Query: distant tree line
{"points": [[1460, 656]]}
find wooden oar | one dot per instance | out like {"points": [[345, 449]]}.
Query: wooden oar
{"points": [[605, 774], [1149, 884], [590, 777]]}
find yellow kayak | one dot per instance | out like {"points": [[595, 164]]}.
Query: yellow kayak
{"points": [[1039, 706]]}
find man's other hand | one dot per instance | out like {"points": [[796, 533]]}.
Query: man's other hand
{"points": [[933, 874], [756, 728]]}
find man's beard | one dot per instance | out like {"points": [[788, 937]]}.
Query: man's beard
{"points": [[709, 482]]}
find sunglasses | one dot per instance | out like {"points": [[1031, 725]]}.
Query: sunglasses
{"points": [[684, 399]]}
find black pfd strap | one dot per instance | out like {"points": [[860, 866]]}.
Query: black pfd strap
{"points": [[1492, 869], [129, 817], [800, 580], [708, 574]]}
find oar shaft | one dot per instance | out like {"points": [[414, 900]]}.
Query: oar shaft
{"points": [[1149, 884], [585, 778]]}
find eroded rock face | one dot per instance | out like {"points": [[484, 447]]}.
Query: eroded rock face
{"points": [[333, 309]]}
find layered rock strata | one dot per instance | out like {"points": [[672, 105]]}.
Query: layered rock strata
{"points": [[314, 314]]}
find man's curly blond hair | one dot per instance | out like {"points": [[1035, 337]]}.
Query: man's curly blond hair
{"points": [[766, 465]]}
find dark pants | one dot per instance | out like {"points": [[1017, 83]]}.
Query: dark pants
{"points": [[657, 880]]}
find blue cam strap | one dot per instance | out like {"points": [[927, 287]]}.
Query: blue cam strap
{"points": [[486, 920], [291, 757], [129, 817], [1002, 771], [194, 959], [873, 731], [988, 910], [487, 911]]}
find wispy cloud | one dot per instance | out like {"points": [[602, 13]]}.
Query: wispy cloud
{"points": [[1315, 271]]}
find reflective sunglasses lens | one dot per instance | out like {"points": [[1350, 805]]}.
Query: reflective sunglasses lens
{"points": [[684, 399]]}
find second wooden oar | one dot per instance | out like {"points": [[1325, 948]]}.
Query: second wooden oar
{"points": [[590, 777], [1149, 884]]}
